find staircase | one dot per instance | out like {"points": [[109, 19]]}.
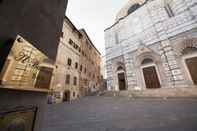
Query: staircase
{"points": [[155, 93]]}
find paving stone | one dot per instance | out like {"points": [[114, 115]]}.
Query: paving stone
{"points": [[122, 114]]}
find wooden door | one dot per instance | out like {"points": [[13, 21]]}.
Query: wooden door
{"points": [[121, 81], [151, 78], [44, 78], [192, 66]]}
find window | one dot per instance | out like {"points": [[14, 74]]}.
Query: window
{"points": [[75, 81], [169, 10], [133, 8], [79, 50], [76, 65], [69, 62], [62, 33], [75, 46], [85, 70], [81, 68], [70, 42], [147, 61], [83, 53], [67, 79], [74, 94]]}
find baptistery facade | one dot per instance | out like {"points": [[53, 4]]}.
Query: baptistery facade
{"points": [[153, 44]]}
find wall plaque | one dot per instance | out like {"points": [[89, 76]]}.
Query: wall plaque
{"points": [[26, 67]]}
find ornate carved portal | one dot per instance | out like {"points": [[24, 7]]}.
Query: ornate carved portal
{"points": [[151, 78], [192, 64]]}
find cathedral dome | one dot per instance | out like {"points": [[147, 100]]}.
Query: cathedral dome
{"points": [[130, 7]]}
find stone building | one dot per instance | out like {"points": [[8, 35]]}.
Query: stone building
{"points": [[66, 81], [90, 62], [77, 64], [153, 44]]}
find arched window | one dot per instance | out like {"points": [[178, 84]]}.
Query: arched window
{"points": [[147, 61], [120, 68], [133, 8]]}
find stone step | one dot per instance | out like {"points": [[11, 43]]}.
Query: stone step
{"points": [[167, 92]]}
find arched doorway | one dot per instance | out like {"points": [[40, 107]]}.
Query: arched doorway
{"points": [[121, 78], [150, 74], [190, 58], [66, 96]]}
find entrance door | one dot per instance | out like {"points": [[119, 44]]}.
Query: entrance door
{"points": [[66, 96], [121, 81], [151, 78], [44, 78], [192, 66]]}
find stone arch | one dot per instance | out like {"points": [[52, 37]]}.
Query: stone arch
{"points": [[148, 64], [187, 43], [147, 61], [121, 76], [146, 53], [120, 66], [186, 51]]}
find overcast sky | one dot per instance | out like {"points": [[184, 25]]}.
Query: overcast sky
{"points": [[94, 16]]}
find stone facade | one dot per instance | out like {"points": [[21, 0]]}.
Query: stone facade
{"points": [[90, 66], [77, 70], [160, 34], [67, 62]]}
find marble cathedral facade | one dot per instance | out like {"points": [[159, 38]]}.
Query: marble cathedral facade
{"points": [[153, 44]]}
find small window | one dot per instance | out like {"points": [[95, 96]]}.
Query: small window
{"points": [[69, 62], [76, 65], [81, 68], [67, 79], [76, 46], [147, 61], [62, 34], [120, 68], [169, 10], [75, 81], [85, 70], [74, 94], [133, 8], [70, 42]]}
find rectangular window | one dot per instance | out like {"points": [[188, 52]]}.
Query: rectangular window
{"points": [[70, 42], [81, 68], [169, 10], [73, 94], [69, 62], [62, 34], [76, 46], [67, 79], [75, 81], [76, 65]]}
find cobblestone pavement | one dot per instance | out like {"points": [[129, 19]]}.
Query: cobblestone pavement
{"points": [[121, 114]]}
